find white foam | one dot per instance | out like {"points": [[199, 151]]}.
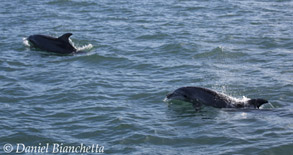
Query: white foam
{"points": [[166, 99], [243, 99], [85, 47], [82, 48], [26, 42]]}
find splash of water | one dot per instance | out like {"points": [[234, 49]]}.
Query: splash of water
{"points": [[166, 99], [26, 42], [243, 99], [85, 47], [82, 48], [271, 105]]}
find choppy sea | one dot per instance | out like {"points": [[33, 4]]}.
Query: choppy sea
{"points": [[135, 52]]}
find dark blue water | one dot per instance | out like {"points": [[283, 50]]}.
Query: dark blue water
{"points": [[135, 53]]}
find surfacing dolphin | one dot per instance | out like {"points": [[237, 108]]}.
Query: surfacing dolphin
{"points": [[202, 96], [59, 45]]}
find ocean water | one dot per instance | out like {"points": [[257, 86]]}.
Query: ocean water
{"points": [[136, 52]]}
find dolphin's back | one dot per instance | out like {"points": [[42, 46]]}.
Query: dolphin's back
{"points": [[51, 44], [208, 97], [202, 96], [43, 42]]}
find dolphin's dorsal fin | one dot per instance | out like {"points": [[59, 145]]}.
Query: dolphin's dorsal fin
{"points": [[65, 37], [257, 102]]}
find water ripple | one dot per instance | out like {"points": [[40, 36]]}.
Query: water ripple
{"points": [[134, 53]]}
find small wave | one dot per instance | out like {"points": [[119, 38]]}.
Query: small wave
{"points": [[220, 53]]}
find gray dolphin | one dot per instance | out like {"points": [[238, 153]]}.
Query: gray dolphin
{"points": [[59, 45], [202, 96]]}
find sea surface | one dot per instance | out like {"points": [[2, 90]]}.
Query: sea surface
{"points": [[134, 53]]}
